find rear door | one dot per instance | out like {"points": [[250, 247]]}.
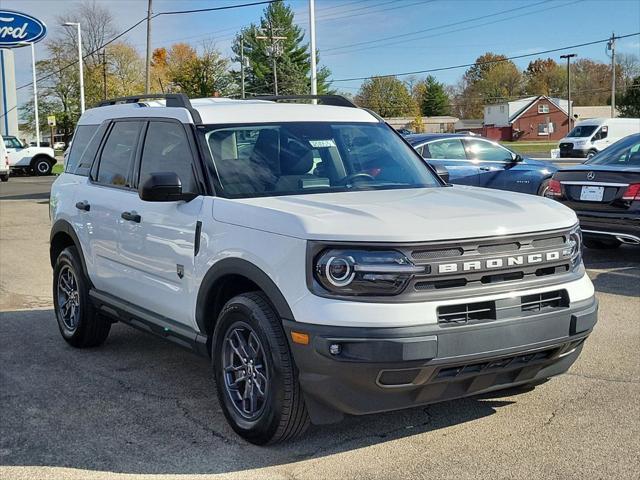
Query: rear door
{"points": [[450, 153], [158, 245], [110, 186]]}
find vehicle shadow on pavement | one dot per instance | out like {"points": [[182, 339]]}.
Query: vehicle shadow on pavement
{"points": [[622, 275], [139, 404]]}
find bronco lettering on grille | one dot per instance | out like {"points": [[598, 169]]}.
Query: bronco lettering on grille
{"points": [[500, 262]]}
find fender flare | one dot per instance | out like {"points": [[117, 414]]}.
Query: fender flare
{"points": [[65, 227], [238, 266]]}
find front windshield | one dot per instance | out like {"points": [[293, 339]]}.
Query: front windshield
{"points": [[582, 131], [624, 153], [312, 157]]}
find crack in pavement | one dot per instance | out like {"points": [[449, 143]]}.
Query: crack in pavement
{"points": [[604, 379]]}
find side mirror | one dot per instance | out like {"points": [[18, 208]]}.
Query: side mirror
{"points": [[442, 172], [163, 187], [516, 158]]}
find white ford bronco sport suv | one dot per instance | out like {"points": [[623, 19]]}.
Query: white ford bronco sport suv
{"points": [[313, 255]]}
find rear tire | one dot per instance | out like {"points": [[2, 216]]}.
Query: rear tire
{"points": [[601, 244], [4, 178], [280, 413], [42, 166], [79, 322]]}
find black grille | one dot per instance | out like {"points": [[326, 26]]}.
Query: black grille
{"points": [[467, 312], [516, 361], [430, 254], [544, 301], [566, 146], [464, 313]]}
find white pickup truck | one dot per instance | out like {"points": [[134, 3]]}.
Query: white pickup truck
{"points": [[37, 160]]}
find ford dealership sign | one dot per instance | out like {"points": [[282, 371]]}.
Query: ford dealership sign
{"points": [[16, 28]]}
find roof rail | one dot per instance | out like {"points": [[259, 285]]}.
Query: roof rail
{"points": [[335, 100], [179, 100]]}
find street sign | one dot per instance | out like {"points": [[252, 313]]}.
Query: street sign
{"points": [[51, 120], [18, 28]]}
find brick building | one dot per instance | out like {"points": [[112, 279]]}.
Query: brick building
{"points": [[532, 118]]}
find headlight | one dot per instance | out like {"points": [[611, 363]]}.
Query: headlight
{"points": [[573, 250], [364, 272]]}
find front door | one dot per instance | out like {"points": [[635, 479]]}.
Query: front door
{"points": [[157, 243]]}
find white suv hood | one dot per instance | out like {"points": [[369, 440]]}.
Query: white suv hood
{"points": [[411, 215]]}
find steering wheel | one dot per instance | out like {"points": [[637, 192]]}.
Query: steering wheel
{"points": [[356, 176]]}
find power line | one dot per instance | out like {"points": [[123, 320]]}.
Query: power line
{"points": [[402, 35], [175, 12], [389, 44], [465, 65]]}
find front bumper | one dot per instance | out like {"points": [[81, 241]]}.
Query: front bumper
{"points": [[381, 369], [573, 153], [625, 225]]}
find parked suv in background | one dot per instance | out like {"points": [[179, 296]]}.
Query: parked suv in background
{"points": [[32, 159], [473, 160], [308, 249], [4, 162]]}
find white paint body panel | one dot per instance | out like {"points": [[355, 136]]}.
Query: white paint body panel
{"points": [[21, 157]]}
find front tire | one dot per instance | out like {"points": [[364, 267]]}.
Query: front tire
{"points": [[79, 323], [256, 377], [591, 153], [42, 166], [4, 178]]}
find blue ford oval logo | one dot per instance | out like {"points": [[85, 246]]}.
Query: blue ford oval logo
{"points": [[16, 27]]}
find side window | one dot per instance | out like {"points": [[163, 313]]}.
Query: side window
{"points": [[451, 149], [118, 153], [487, 151], [166, 149], [79, 143]]}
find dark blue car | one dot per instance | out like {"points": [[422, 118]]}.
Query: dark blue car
{"points": [[473, 160]]}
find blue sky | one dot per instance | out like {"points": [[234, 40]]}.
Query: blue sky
{"points": [[530, 26]]}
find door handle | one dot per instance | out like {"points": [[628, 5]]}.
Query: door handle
{"points": [[131, 217], [83, 206], [485, 169]]}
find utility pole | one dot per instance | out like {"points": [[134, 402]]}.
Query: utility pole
{"points": [[569, 56], [275, 51], [312, 47], [242, 65], [611, 45], [104, 74], [147, 79]]}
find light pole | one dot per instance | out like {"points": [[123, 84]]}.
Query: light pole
{"points": [[312, 47], [35, 89], [77, 24], [569, 56]]}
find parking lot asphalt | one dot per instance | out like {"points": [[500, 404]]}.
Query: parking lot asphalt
{"points": [[140, 407]]}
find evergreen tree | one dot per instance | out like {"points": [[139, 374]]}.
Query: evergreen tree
{"points": [[435, 100], [291, 55], [629, 102]]}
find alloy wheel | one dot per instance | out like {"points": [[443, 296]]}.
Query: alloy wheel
{"points": [[245, 370], [68, 298]]}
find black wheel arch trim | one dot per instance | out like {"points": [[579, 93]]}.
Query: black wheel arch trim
{"points": [[63, 226], [238, 266]]}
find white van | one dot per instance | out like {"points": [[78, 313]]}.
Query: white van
{"points": [[589, 137]]}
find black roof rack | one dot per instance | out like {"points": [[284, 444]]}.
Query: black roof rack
{"points": [[172, 100], [335, 100]]}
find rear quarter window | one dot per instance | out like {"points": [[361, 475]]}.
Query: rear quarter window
{"points": [[77, 159]]}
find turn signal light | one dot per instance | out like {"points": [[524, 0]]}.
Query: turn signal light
{"points": [[555, 189], [632, 192], [300, 338]]}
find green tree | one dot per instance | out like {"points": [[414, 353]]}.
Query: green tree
{"points": [[435, 100], [199, 75], [491, 79], [291, 55], [544, 77], [387, 96], [629, 102]]}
